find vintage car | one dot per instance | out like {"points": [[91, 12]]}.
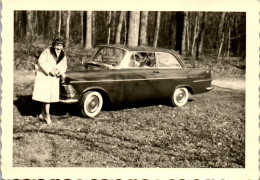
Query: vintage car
{"points": [[119, 74]]}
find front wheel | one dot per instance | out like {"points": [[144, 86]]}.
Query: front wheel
{"points": [[91, 103], [180, 97]]}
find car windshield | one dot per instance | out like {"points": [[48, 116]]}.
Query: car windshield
{"points": [[109, 56]]}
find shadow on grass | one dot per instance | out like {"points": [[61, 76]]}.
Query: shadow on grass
{"points": [[157, 102], [28, 107]]}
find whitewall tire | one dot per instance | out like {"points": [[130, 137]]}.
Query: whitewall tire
{"points": [[91, 103]]}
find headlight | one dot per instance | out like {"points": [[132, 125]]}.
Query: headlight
{"points": [[67, 90]]}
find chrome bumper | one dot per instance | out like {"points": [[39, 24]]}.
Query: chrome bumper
{"points": [[209, 88], [68, 101]]}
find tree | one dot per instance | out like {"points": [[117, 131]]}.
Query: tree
{"points": [[143, 28], [185, 32], [29, 27], [109, 27], [82, 28], [157, 28], [119, 27], [133, 29], [59, 23], [93, 28], [89, 30], [68, 29], [203, 31], [221, 25], [196, 33]]}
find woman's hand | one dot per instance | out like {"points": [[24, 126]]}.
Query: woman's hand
{"points": [[57, 72], [52, 73]]}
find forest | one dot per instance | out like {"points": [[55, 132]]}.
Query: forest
{"points": [[194, 34]]}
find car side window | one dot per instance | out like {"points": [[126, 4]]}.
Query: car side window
{"points": [[167, 60], [111, 56], [143, 59]]}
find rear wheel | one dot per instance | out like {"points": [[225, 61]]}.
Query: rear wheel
{"points": [[91, 103], [180, 97]]}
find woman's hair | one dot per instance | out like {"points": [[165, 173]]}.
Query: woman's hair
{"points": [[58, 40]]}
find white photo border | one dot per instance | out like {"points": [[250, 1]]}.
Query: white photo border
{"points": [[252, 93]]}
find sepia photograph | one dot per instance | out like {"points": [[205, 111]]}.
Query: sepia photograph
{"points": [[135, 90]]}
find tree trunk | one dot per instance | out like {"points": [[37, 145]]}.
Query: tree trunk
{"points": [[119, 27], [82, 28], [157, 28], [109, 27], [126, 28], [184, 33], [113, 26], [203, 31], [29, 27], [53, 24], [68, 29], [89, 30], [133, 29], [59, 23], [220, 27], [196, 34], [188, 34], [93, 29], [228, 45], [35, 24], [220, 47], [143, 29]]}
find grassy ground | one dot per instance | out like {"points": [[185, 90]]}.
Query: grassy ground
{"points": [[208, 132]]}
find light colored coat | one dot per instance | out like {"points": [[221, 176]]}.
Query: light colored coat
{"points": [[46, 87]]}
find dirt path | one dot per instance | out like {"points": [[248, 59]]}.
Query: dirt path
{"points": [[232, 84], [22, 77]]}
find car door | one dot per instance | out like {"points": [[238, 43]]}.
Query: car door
{"points": [[171, 74], [141, 78]]}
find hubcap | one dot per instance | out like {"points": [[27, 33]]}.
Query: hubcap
{"points": [[180, 96], [92, 104]]}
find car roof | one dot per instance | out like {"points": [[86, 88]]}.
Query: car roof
{"points": [[140, 48]]}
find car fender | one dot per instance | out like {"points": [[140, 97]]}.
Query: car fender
{"points": [[101, 90], [185, 86]]}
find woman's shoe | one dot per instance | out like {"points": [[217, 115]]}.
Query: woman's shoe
{"points": [[48, 120], [41, 117]]}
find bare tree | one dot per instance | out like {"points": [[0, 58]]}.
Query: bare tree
{"points": [[157, 28], [196, 33], [119, 27], [143, 28], [82, 28], [59, 23], [133, 29], [220, 47], [185, 32], [221, 26], [89, 30], [109, 27], [203, 31], [29, 27], [68, 29], [93, 28]]}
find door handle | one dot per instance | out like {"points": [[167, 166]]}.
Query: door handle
{"points": [[156, 71]]}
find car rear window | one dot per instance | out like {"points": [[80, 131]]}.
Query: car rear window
{"points": [[167, 60]]}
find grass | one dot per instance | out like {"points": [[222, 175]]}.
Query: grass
{"points": [[209, 131]]}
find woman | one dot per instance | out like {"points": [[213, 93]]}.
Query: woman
{"points": [[52, 65]]}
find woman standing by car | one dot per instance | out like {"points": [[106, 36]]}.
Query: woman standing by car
{"points": [[52, 65]]}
